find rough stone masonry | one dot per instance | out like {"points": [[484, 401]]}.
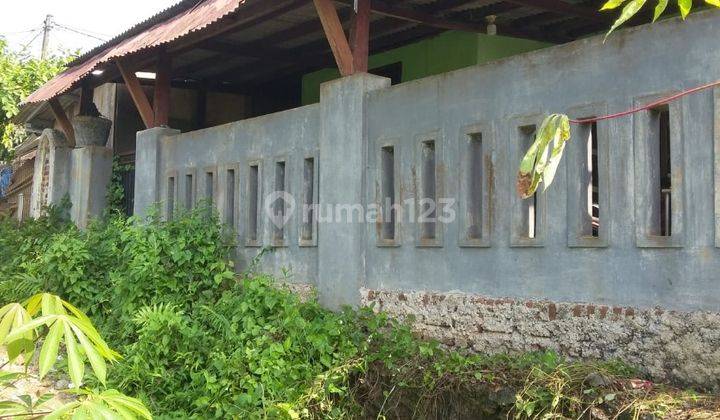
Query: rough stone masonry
{"points": [[667, 345]]}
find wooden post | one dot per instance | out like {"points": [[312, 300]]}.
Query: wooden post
{"points": [[63, 120], [335, 36], [161, 101], [137, 94], [86, 99], [360, 36]]}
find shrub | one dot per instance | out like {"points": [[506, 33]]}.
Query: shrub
{"points": [[199, 342]]}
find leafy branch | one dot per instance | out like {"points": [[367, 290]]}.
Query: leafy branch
{"points": [[632, 7], [59, 322], [543, 157]]}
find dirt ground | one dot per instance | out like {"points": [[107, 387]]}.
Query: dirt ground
{"points": [[32, 386]]}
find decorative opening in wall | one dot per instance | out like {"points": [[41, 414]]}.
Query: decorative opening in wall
{"points": [[528, 214], [429, 229], [279, 205], [476, 183], [252, 228], [388, 202], [529, 206], [308, 225], [661, 118], [716, 100], [210, 187], [170, 197], [189, 196], [658, 176], [592, 204], [229, 213], [588, 179]]}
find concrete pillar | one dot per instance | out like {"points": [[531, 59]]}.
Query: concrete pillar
{"points": [[90, 175], [343, 157], [20, 207], [147, 168], [51, 177]]}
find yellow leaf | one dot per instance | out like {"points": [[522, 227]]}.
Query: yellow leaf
{"points": [[49, 351], [628, 11], [659, 9], [612, 4], [685, 6]]}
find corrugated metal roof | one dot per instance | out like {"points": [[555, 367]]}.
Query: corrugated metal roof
{"points": [[177, 21]]}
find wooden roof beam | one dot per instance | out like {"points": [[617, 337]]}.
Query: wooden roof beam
{"points": [[563, 8], [335, 36], [360, 36], [313, 51], [137, 94], [161, 99], [425, 18], [258, 13], [62, 119]]}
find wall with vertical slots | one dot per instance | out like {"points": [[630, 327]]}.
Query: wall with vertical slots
{"points": [[481, 120], [236, 166], [465, 132], [611, 232]]}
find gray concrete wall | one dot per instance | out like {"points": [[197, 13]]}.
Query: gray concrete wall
{"points": [[426, 133], [263, 142], [90, 174], [81, 174], [625, 267]]}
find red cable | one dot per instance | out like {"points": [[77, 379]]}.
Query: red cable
{"points": [[662, 101]]}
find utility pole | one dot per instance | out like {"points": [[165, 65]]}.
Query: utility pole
{"points": [[47, 26]]}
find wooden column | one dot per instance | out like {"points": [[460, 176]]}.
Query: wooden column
{"points": [[360, 36], [137, 94], [63, 120], [336, 37], [161, 100], [86, 99]]}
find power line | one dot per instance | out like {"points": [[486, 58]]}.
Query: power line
{"points": [[88, 31], [80, 32], [26, 46], [21, 32]]}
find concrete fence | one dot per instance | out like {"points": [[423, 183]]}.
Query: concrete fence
{"points": [[632, 222]]}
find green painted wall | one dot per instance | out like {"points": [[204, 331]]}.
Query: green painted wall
{"points": [[445, 52]]}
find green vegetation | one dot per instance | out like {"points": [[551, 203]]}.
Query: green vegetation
{"points": [[55, 321], [198, 341], [632, 7], [20, 75]]}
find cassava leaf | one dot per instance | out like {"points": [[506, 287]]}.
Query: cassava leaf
{"points": [[612, 4], [715, 3], [15, 333], [63, 411], [49, 350], [685, 6], [660, 8], [22, 330], [628, 11], [97, 362], [76, 366]]}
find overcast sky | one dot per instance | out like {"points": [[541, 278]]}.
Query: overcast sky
{"points": [[21, 21]]}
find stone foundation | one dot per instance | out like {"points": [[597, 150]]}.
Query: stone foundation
{"points": [[682, 347], [304, 291]]}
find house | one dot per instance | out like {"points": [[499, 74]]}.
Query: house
{"points": [[397, 188]]}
